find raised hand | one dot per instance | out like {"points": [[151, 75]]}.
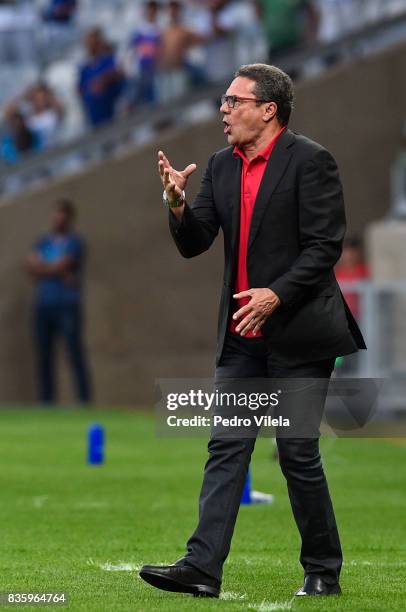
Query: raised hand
{"points": [[174, 181]]}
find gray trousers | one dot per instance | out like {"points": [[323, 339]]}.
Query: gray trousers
{"points": [[226, 469]]}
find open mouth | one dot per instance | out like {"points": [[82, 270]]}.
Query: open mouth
{"points": [[227, 127]]}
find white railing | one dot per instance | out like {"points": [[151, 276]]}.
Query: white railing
{"points": [[382, 319]]}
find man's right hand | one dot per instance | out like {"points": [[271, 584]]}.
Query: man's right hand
{"points": [[174, 181]]}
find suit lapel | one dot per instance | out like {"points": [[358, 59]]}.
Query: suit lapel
{"points": [[235, 203], [274, 171]]}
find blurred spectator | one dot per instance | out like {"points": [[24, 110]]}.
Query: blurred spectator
{"points": [[177, 40], [42, 111], [46, 113], [60, 11], [351, 267], [18, 29], [237, 37], [198, 16], [288, 25], [59, 32], [203, 41], [340, 17], [18, 138], [56, 265], [145, 46], [100, 79]]}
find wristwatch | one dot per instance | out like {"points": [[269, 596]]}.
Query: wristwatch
{"points": [[169, 204]]}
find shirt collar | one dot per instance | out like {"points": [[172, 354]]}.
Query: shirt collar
{"points": [[265, 154]]}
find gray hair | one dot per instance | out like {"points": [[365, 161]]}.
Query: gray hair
{"points": [[271, 84]]}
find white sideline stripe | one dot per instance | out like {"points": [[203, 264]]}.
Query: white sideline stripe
{"points": [[231, 595], [377, 563], [40, 501], [270, 606], [120, 566]]}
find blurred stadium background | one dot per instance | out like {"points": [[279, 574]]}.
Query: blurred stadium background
{"points": [[89, 91]]}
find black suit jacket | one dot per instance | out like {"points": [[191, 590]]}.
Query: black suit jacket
{"points": [[295, 239]]}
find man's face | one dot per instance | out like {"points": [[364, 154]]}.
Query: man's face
{"points": [[244, 123], [174, 11], [60, 220], [40, 98], [151, 11], [93, 43]]}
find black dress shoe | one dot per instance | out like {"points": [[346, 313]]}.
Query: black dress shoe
{"points": [[180, 578], [314, 585]]}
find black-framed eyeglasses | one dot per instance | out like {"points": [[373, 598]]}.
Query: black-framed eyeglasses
{"points": [[231, 101]]}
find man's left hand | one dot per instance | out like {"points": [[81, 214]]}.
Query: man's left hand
{"points": [[253, 315]]}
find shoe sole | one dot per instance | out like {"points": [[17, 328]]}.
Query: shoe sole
{"points": [[167, 584]]}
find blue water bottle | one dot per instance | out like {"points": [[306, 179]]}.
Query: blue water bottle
{"points": [[95, 444], [246, 494]]}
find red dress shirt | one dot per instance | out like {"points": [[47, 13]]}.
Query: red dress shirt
{"points": [[251, 177]]}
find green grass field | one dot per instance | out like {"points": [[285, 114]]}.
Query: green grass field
{"points": [[85, 530]]}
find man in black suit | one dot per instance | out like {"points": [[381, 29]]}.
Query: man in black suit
{"points": [[278, 198]]}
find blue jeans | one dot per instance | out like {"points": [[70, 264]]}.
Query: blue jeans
{"points": [[50, 322]]}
